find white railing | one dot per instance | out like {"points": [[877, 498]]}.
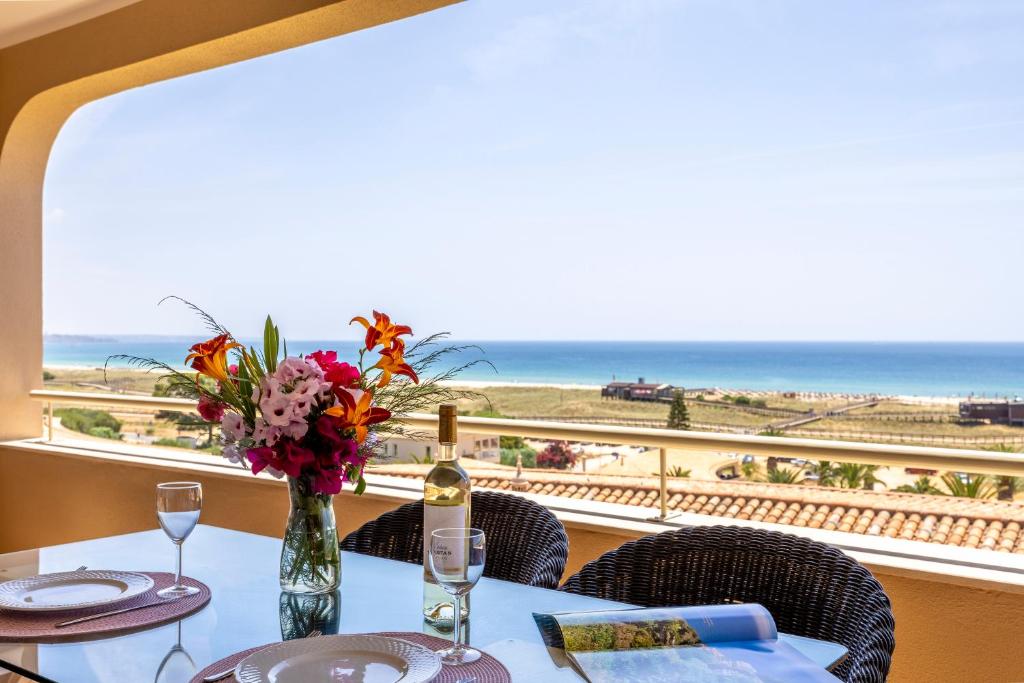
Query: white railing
{"points": [[961, 460]]}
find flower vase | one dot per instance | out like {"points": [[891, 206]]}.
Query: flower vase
{"points": [[310, 560]]}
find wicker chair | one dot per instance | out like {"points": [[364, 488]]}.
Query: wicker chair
{"points": [[525, 542], [810, 588]]}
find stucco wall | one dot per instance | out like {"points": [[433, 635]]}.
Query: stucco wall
{"points": [[944, 632]]}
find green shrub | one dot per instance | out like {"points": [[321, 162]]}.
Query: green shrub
{"points": [[84, 420], [742, 400], [511, 442], [508, 456], [47, 376], [104, 433], [173, 443]]}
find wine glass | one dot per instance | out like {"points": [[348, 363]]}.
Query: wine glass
{"points": [[177, 506], [177, 665], [457, 561]]}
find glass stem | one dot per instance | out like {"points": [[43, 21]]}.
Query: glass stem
{"points": [[457, 627], [177, 569]]}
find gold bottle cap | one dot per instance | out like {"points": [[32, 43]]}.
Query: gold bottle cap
{"points": [[447, 432]]}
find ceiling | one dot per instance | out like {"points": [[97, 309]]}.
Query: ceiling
{"points": [[22, 20]]}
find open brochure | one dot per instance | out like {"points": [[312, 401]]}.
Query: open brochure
{"points": [[709, 644]]}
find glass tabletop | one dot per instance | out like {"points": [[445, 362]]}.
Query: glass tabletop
{"points": [[248, 609]]}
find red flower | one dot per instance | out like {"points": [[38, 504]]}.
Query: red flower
{"points": [[211, 410], [357, 415], [340, 375], [382, 331], [392, 362], [210, 357], [287, 457], [327, 481]]}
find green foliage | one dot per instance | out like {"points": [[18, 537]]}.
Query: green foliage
{"points": [[826, 471], [976, 486], [173, 443], [84, 420], [854, 476], [556, 456], [678, 472], [921, 485], [784, 475], [751, 471], [47, 376], [427, 459], [678, 415], [742, 400], [511, 442], [771, 431], [488, 412], [104, 433], [508, 456]]}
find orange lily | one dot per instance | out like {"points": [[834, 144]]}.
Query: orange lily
{"points": [[392, 362], [382, 331], [210, 357], [359, 414]]}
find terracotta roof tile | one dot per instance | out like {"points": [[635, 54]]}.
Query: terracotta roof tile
{"points": [[987, 524]]}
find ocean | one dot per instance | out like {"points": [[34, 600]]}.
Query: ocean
{"points": [[889, 368]]}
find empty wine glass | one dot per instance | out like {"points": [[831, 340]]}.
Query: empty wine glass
{"points": [[177, 506], [457, 561]]}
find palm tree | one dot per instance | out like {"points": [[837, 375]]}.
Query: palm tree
{"points": [[750, 470], [922, 485], [1008, 486], [854, 476], [784, 475], [976, 486], [826, 471]]}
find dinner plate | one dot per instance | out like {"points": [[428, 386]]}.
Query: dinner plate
{"points": [[353, 659], [71, 590]]}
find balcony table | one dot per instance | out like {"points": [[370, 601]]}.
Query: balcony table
{"points": [[241, 571]]}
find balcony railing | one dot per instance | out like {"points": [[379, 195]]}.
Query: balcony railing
{"points": [[975, 461]]}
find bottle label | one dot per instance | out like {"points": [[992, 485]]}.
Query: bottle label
{"points": [[441, 517]]}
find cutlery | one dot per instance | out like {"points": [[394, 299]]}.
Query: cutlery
{"points": [[220, 676], [79, 620]]}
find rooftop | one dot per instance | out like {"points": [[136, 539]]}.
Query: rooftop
{"points": [[963, 522]]}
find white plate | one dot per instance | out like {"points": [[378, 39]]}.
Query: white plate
{"points": [[71, 590], [348, 659]]}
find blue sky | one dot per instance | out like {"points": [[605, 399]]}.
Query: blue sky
{"points": [[570, 170]]}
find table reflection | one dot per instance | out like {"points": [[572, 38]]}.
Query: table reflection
{"points": [[303, 614], [177, 665]]}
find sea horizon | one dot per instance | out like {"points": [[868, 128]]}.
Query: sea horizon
{"points": [[906, 368]]}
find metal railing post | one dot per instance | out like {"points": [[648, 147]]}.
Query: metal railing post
{"points": [[663, 472]]}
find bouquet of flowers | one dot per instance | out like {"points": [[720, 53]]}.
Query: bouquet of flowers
{"points": [[315, 419]]}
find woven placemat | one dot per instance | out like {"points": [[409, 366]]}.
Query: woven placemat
{"points": [[38, 627], [487, 669]]}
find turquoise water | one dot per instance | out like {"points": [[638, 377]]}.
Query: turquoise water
{"points": [[924, 369]]}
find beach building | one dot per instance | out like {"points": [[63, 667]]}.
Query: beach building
{"points": [[995, 412], [638, 391]]}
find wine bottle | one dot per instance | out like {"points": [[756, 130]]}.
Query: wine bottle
{"points": [[445, 505]]}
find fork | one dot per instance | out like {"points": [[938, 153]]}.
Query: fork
{"points": [[221, 675]]}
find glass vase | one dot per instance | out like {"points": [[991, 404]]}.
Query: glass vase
{"points": [[310, 561]]}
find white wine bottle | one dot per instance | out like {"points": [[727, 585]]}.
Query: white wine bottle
{"points": [[445, 506]]}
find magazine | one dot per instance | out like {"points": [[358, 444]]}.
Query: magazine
{"points": [[709, 644]]}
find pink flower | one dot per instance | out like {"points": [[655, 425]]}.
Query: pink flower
{"points": [[327, 482], [294, 457], [262, 458], [232, 426], [340, 375], [264, 433], [277, 410], [211, 410]]}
